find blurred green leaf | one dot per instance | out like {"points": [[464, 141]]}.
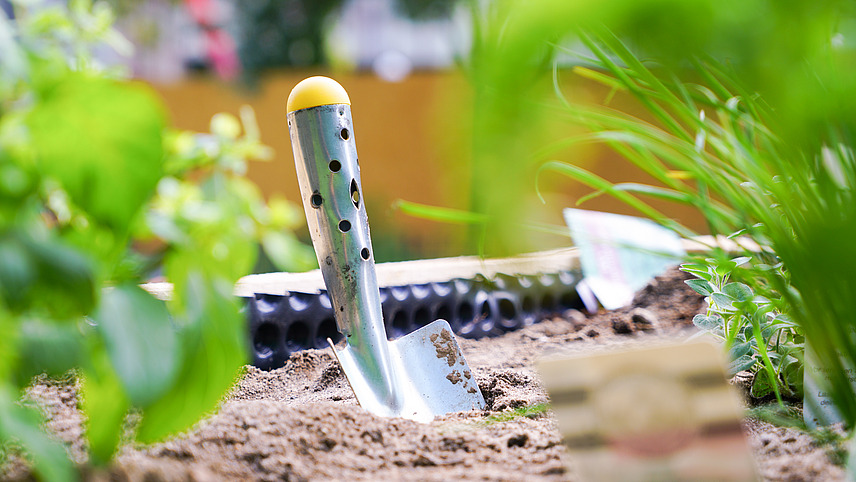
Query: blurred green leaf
{"points": [[51, 348], [644, 189], [66, 279], [17, 272], [16, 182], [103, 141], [435, 213], [46, 271], [105, 403], [21, 424], [593, 180], [141, 341], [741, 260], [225, 125], [287, 253], [214, 347]]}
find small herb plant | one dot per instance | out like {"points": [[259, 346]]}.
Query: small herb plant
{"points": [[756, 337]]}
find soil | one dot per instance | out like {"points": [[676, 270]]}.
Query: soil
{"points": [[301, 421]]}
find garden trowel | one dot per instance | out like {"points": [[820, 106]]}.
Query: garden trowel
{"points": [[418, 376]]}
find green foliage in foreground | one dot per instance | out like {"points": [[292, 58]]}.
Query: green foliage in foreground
{"points": [[95, 193]]}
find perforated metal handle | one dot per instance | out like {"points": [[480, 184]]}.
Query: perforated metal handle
{"points": [[329, 175]]}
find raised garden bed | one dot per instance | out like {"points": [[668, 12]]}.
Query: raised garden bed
{"points": [[301, 422]]}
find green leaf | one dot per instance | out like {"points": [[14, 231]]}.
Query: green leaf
{"points": [[44, 347], [599, 78], [737, 365], [435, 213], [21, 424], [287, 252], [700, 286], [725, 268], [593, 180], [769, 369], [101, 139], [722, 300], [656, 192], [761, 386], [698, 270], [66, 282], [214, 346], [17, 272], [794, 377], [741, 260], [707, 323], [783, 321], [45, 273], [141, 341], [739, 350], [738, 292], [105, 404], [663, 194]]}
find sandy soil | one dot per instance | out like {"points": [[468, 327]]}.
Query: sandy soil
{"points": [[301, 421]]}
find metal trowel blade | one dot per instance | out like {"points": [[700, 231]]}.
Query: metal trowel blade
{"points": [[431, 376]]}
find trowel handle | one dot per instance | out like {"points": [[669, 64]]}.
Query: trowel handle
{"points": [[325, 155]]}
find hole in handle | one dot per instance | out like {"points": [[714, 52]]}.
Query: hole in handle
{"points": [[364, 253], [315, 200], [335, 165], [345, 134], [355, 193], [344, 225]]}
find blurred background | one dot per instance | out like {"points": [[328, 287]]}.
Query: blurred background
{"points": [[406, 66]]}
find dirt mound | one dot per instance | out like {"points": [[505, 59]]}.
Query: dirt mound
{"points": [[301, 421], [263, 440]]}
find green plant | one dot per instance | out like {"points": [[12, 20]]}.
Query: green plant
{"points": [[96, 194], [755, 336], [746, 180], [715, 144], [746, 116]]}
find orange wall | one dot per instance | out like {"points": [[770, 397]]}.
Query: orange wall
{"points": [[408, 135]]}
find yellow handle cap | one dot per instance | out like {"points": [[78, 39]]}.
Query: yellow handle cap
{"points": [[315, 91]]}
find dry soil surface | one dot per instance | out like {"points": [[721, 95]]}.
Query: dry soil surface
{"points": [[301, 421]]}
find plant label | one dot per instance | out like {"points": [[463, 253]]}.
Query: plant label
{"points": [[620, 254], [661, 413], [819, 410]]}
